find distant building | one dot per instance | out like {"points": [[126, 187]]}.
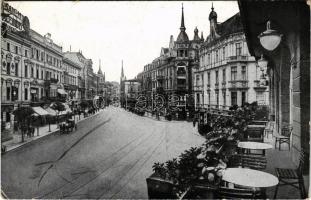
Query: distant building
{"points": [[227, 75], [172, 72]]}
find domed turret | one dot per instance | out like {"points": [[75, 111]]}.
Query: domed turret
{"points": [[196, 34]]}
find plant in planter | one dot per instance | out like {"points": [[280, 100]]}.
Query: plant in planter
{"points": [[203, 165]]}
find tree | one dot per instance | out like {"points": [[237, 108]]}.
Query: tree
{"points": [[23, 115], [58, 106]]}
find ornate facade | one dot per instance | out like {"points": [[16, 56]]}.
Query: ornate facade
{"points": [[227, 75]]}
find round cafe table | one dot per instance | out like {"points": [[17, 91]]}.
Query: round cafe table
{"points": [[255, 146], [249, 177]]}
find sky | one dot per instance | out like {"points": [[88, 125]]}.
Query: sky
{"points": [[114, 31]]}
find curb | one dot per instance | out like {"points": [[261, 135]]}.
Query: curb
{"points": [[50, 134]]}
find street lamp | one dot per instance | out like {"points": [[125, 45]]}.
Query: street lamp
{"points": [[270, 39]]}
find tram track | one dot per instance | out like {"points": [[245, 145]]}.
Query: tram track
{"points": [[115, 158]]}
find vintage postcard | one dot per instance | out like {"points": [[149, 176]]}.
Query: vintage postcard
{"points": [[155, 99]]}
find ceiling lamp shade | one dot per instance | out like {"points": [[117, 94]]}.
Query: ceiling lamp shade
{"points": [[262, 63], [270, 39]]}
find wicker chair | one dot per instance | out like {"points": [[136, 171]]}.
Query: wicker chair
{"points": [[286, 176]]}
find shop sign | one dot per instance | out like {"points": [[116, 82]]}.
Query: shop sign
{"points": [[14, 19], [33, 91]]}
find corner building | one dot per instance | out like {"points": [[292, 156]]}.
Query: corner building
{"points": [[227, 74]]}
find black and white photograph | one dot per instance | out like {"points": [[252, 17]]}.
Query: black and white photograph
{"points": [[155, 99]]}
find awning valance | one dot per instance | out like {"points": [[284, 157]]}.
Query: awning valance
{"points": [[40, 111], [61, 91]]}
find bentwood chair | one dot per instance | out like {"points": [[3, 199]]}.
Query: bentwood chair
{"points": [[285, 136], [292, 177], [269, 129]]}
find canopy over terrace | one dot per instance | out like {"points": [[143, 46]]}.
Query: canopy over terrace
{"points": [[288, 64], [40, 111]]}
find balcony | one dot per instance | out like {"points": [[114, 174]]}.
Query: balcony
{"points": [[238, 84], [198, 88], [258, 86], [54, 80], [237, 59], [160, 77]]}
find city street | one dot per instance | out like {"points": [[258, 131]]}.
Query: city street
{"points": [[109, 156]]}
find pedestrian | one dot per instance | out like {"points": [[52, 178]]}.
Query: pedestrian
{"points": [[194, 120]]}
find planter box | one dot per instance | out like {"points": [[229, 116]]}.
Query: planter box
{"points": [[159, 188]]}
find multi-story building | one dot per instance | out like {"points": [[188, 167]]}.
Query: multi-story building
{"points": [[172, 72], [31, 64], [71, 79], [45, 70], [227, 75], [131, 92], [78, 59]]}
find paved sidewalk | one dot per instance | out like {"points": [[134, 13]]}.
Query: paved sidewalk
{"points": [[43, 131]]}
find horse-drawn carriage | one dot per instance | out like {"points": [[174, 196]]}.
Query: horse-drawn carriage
{"points": [[68, 126]]}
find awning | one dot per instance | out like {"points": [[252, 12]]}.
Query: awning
{"points": [[40, 111], [61, 91], [51, 111]]}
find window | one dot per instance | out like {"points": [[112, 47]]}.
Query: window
{"points": [[26, 53], [8, 68], [31, 72], [37, 54], [224, 75], [42, 56], [223, 53], [197, 79], [42, 94], [224, 96], [8, 93], [233, 73], [238, 49], [243, 98], [8, 46], [16, 69], [208, 78], [26, 71], [16, 49], [37, 73], [233, 98], [26, 94], [217, 99], [208, 58], [216, 77], [243, 72], [216, 55]]}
